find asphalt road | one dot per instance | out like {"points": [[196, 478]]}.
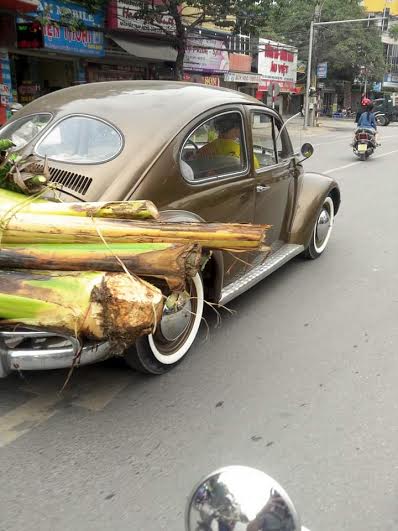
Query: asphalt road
{"points": [[299, 382]]}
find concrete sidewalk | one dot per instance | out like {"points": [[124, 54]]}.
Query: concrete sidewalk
{"points": [[339, 124], [325, 125]]}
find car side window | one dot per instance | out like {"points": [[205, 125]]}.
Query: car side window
{"points": [[263, 136], [283, 144], [215, 148]]}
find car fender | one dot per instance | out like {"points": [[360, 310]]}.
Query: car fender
{"points": [[314, 188], [215, 267]]}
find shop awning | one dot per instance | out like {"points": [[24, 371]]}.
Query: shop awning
{"points": [[27, 6], [146, 49]]}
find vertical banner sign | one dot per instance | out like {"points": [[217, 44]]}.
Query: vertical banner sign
{"points": [[322, 71]]}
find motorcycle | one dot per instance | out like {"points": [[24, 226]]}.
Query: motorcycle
{"points": [[239, 498], [364, 143]]}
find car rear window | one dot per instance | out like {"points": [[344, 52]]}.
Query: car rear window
{"points": [[81, 139], [24, 130]]}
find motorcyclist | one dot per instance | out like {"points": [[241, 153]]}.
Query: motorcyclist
{"points": [[365, 101], [367, 120], [362, 107]]}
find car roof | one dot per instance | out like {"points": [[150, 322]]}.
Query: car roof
{"points": [[174, 102]]}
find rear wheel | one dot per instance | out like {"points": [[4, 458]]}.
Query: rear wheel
{"points": [[382, 120], [322, 230], [162, 351]]}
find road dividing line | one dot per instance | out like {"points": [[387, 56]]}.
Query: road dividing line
{"points": [[99, 392], [24, 418], [359, 162]]}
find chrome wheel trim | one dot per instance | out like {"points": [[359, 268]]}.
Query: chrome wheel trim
{"points": [[183, 328], [324, 225]]}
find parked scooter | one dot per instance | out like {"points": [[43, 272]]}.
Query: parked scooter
{"points": [[364, 143], [239, 498]]}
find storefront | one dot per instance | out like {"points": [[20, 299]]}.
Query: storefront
{"points": [[206, 61], [240, 76], [277, 65], [48, 57], [242, 82], [211, 81], [7, 39], [143, 46]]}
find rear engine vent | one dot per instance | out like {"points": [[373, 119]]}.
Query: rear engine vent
{"points": [[68, 179]]}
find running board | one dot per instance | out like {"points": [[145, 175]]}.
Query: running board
{"points": [[255, 275]]}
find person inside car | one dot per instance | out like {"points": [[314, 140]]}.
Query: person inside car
{"points": [[228, 141]]}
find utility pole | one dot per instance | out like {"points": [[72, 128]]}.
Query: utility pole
{"points": [[309, 71], [309, 65]]}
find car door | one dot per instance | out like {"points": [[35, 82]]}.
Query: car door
{"points": [[219, 187], [273, 168]]}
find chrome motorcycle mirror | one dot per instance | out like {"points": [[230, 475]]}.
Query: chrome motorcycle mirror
{"points": [[239, 498]]}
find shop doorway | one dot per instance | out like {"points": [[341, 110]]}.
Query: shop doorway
{"points": [[37, 76]]}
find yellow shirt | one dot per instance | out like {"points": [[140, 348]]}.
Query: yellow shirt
{"points": [[223, 146]]}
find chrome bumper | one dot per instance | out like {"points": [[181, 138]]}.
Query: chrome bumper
{"points": [[32, 350]]}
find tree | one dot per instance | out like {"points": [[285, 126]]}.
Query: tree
{"points": [[393, 33], [234, 15], [347, 48]]}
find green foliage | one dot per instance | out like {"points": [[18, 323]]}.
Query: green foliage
{"points": [[235, 15], [238, 16], [93, 5], [71, 22], [393, 33], [66, 17], [346, 47]]}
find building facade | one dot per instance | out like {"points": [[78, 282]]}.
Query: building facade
{"points": [[54, 44]]}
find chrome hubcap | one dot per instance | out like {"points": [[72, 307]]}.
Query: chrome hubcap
{"points": [[175, 321], [322, 226]]}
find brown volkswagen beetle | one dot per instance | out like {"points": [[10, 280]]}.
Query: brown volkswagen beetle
{"points": [[198, 153]]}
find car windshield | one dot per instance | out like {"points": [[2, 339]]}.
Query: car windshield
{"points": [[81, 139], [23, 130]]}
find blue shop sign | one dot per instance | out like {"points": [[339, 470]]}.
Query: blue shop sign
{"points": [[86, 42], [57, 9]]}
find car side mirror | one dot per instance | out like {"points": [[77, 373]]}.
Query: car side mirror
{"points": [[307, 150], [241, 498]]}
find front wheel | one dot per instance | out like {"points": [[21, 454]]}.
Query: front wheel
{"points": [[362, 157], [322, 230], [162, 351]]}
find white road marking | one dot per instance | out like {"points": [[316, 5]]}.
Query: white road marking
{"points": [[96, 395], [359, 162], [93, 390], [22, 419]]}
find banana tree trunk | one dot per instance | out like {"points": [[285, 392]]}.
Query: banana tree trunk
{"points": [[94, 305], [28, 228], [113, 209], [170, 262]]}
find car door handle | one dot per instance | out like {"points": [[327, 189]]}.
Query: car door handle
{"points": [[261, 188]]}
